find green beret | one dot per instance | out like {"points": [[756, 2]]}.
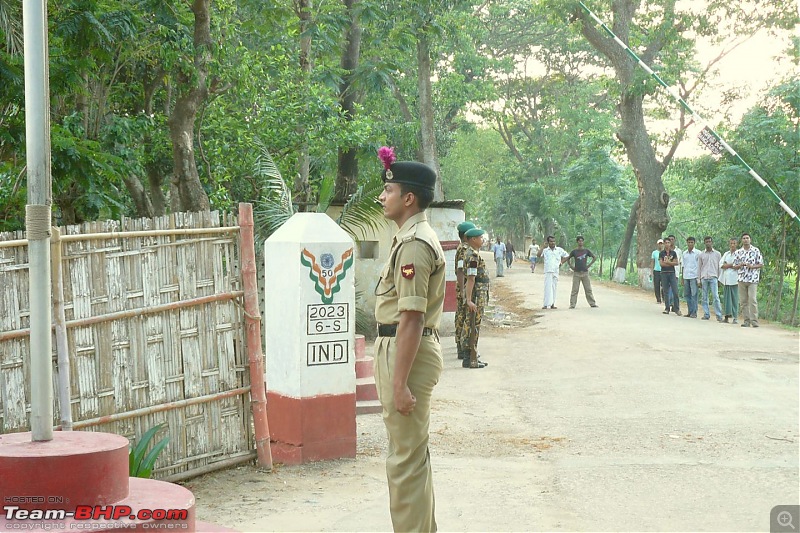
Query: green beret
{"points": [[411, 173], [464, 226], [474, 232]]}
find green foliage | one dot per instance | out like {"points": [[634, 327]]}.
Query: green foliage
{"points": [[140, 460], [360, 212], [722, 200], [523, 109]]}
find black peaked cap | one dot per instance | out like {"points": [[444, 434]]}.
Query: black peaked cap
{"points": [[411, 173]]}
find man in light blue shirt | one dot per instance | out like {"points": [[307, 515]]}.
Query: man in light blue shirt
{"points": [[499, 251], [656, 268], [691, 258]]}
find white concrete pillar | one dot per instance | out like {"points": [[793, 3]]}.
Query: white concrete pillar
{"points": [[444, 221], [309, 322]]}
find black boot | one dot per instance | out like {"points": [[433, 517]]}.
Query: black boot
{"points": [[467, 362]]}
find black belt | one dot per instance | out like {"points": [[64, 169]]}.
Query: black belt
{"points": [[482, 280], [390, 330]]}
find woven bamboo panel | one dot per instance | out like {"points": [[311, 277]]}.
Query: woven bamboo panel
{"points": [[146, 361]]}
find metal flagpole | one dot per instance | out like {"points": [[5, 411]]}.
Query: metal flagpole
{"points": [[708, 136], [37, 215]]}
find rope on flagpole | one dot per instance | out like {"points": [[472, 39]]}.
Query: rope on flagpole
{"points": [[715, 137]]}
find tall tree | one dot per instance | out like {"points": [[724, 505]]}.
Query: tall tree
{"points": [[194, 87], [302, 189], [658, 32], [347, 168]]}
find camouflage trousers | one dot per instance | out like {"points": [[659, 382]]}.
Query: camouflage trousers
{"points": [[481, 298], [461, 318]]}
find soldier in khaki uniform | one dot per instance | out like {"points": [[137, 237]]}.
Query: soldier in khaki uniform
{"points": [[408, 356], [476, 295], [461, 304]]}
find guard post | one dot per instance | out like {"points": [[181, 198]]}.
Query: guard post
{"points": [[309, 305]]}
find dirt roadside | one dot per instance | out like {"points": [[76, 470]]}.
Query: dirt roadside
{"points": [[611, 419]]}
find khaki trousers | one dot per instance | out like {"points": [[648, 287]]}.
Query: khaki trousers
{"points": [[747, 298], [408, 465], [577, 279]]}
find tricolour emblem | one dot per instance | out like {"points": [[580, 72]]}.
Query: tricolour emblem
{"points": [[324, 274]]}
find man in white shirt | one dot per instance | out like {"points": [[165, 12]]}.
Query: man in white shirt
{"points": [[553, 256], [690, 272], [730, 282], [533, 254], [748, 263]]}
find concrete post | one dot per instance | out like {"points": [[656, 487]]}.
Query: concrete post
{"points": [[309, 292]]}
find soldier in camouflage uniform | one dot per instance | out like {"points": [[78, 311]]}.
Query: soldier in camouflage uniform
{"points": [[461, 305], [476, 295]]}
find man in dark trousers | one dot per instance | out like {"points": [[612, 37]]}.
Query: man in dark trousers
{"points": [[509, 253], [578, 261], [408, 356], [669, 260]]}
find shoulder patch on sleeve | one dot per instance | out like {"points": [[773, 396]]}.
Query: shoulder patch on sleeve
{"points": [[408, 271]]}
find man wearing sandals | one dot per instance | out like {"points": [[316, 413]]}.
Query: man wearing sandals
{"points": [[554, 256]]}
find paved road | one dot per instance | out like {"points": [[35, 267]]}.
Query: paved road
{"points": [[610, 419]]}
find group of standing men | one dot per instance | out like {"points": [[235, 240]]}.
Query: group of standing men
{"points": [[738, 270], [409, 304], [579, 262]]}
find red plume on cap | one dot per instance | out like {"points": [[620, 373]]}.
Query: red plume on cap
{"points": [[387, 156]]}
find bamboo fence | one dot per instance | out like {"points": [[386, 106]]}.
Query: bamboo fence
{"points": [[149, 319]]}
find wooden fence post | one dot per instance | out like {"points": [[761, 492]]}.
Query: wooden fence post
{"points": [[60, 326], [258, 393]]}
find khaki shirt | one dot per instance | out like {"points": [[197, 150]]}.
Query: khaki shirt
{"points": [[413, 278]]}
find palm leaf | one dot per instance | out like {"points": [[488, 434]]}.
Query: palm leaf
{"points": [[11, 25], [271, 212], [362, 210], [326, 189]]}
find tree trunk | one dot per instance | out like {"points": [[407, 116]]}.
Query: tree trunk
{"points": [[602, 236], [625, 248], [429, 153], [157, 197], [652, 216], [796, 291], [187, 193], [301, 191], [776, 313], [155, 177], [139, 196], [347, 170]]}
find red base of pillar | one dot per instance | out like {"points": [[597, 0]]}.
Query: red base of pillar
{"points": [[47, 480], [75, 468], [311, 429], [450, 302]]}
